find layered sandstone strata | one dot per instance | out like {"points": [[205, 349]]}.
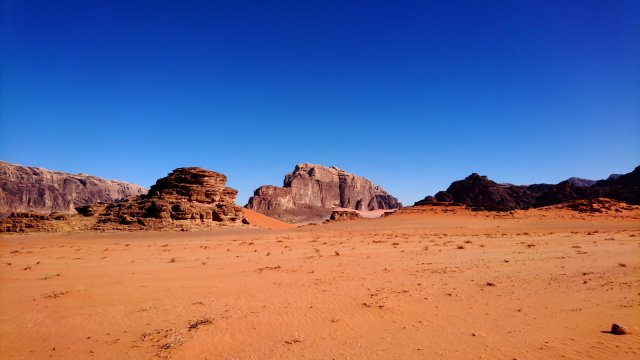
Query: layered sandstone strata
{"points": [[192, 193]]}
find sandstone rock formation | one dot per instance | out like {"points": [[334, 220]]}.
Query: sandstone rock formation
{"points": [[481, 193], [187, 199], [195, 195], [39, 222], [311, 191], [29, 221], [32, 189]]}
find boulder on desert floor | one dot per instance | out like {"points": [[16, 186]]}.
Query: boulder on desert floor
{"points": [[342, 215], [619, 329]]}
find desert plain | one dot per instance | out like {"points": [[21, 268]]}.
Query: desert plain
{"points": [[422, 283]]}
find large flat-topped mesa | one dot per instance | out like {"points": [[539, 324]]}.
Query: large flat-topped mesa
{"points": [[311, 191]]}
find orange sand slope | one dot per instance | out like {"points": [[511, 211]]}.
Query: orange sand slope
{"points": [[419, 284], [263, 221]]}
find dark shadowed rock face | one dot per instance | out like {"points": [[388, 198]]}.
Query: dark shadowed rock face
{"points": [[311, 191], [31, 189], [192, 194], [429, 200], [622, 187], [444, 197], [481, 193]]}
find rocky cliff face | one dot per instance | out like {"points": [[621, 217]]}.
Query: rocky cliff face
{"points": [[481, 193], [311, 191], [192, 194], [32, 189]]}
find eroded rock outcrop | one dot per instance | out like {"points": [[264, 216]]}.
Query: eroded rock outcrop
{"points": [[344, 215], [193, 194], [32, 189], [311, 191]]}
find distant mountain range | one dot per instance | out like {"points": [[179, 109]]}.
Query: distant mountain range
{"points": [[481, 193], [309, 193]]}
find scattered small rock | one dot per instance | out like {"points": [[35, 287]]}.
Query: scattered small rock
{"points": [[260, 270], [202, 321], [297, 339], [55, 294], [619, 329]]}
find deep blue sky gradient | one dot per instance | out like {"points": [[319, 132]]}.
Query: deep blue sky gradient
{"points": [[410, 94]]}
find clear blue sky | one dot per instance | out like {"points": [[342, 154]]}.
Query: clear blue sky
{"points": [[411, 95]]}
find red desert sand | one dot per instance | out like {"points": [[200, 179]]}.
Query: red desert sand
{"points": [[434, 282]]}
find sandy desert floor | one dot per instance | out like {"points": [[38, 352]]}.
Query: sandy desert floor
{"points": [[437, 283]]}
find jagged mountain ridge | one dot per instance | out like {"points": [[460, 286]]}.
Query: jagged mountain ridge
{"points": [[481, 193]]}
